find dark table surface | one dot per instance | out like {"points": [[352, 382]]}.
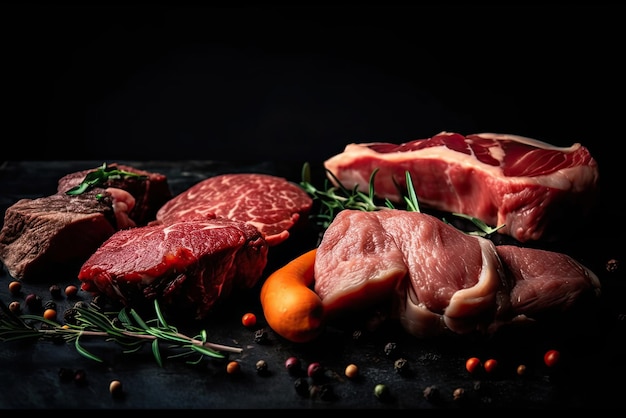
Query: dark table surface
{"points": [[591, 343]]}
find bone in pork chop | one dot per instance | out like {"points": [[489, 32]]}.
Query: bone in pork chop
{"points": [[533, 189], [190, 264], [437, 278], [270, 203]]}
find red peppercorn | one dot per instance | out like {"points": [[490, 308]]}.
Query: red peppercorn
{"points": [[248, 320], [551, 358], [473, 364], [490, 365]]}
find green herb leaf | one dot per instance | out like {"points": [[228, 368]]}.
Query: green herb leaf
{"points": [[99, 177]]}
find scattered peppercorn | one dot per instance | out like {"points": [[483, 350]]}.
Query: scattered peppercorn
{"points": [[458, 394], [315, 370], [233, 367], [521, 370], [381, 391], [115, 388], [260, 336], [80, 377], [401, 366], [612, 265], [66, 374], [55, 291], [490, 365], [391, 349], [15, 287], [473, 365], [33, 302], [301, 386], [248, 320], [50, 314], [431, 393], [292, 364], [15, 307], [71, 291], [352, 371], [50, 304], [326, 393], [69, 316], [261, 367], [551, 358]]}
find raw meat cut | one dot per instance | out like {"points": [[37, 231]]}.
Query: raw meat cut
{"points": [[189, 265], [54, 234], [270, 203], [148, 189], [535, 190], [59, 232], [436, 278]]}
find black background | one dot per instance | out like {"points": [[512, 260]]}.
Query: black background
{"points": [[156, 81], [293, 84]]}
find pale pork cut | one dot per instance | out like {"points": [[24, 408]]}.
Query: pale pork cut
{"points": [[532, 189], [270, 203], [188, 265], [438, 279]]}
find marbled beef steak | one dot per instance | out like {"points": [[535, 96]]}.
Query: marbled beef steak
{"points": [[270, 203], [188, 265]]}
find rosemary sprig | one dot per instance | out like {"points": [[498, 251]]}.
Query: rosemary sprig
{"points": [[100, 176], [334, 199], [127, 329]]}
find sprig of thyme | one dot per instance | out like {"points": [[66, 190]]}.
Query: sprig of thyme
{"points": [[334, 199], [125, 328], [101, 176]]}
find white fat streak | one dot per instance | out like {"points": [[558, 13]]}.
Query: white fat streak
{"points": [[564, 180], [482, 297]]}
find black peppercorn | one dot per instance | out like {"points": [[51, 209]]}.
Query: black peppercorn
{"points": [[69, 316], [391, 349], [50, 304], [301, 386], [401, 366], [260, 336], [55, 291], [66, 374]]}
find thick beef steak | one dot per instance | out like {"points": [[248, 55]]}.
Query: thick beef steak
{"points": [[189, 265], [270, 203], [536, 190]]}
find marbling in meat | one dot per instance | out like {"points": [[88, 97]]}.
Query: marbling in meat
{"points": [[270, 203], [436, 278], [534, 189], [190, 265]]}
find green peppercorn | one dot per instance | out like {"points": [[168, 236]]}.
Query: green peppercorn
{"points": [[381, 391]]}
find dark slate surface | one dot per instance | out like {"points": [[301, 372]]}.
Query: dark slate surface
{"points": [[591, 343]]}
